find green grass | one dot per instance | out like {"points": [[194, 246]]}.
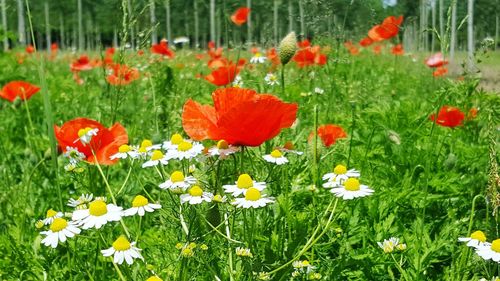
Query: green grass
{"points": [[425, 177]]}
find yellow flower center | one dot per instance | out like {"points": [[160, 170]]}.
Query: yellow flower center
{"points": [[252, 194], [352, 184], [146, 143], [222, 144], [98, 208], [258, 55], [121, 244], [244, 181], [176, 139], [289, 145], [478, 235], [157, 155], [83, 132], [124, 148], [153, 278], [196, 191], [139, 201], [495, 245], [184, 146], [142, 149], [177, 176], [340, 169], [276, 153], [58, 224], [51, 213]]}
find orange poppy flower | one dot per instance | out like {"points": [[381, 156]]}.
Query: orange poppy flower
{"points": [[162, 49], [365, 42], [329, 134], [54, 47], [30, 49], [21, 89], [81, 64], [440, 71], [240, 16], [398, 50], [448, 116], [388, 29], [122, 75], [104, 144], [436, 60], [239, 116]]}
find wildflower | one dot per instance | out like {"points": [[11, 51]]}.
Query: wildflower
{"points": [[273, 56], [401, 246], [203, 247], [223, 149], [319, 91], [329, 134], [448, 116], [122, 250], [140, 205], [83, 63], [276, 157], [258, 58], [102, 144], [223, 75], [80, 201], [397, 50], [489, 251], [263, 276], [243, 252], [51, 216], [365, 42], [289, 148], [178, 181], [238, 82], [309, 56], [174, 141], [154, 278], [389, 244], [157, 158], [253, 199], [98, 214], [73, 154], [196, 195], [436, 60], [476, 239], [271, 79], [240, 16], [185, 150], [287, 48], [162, 49], [187, 252], [122, 75], [125, 151], [148, 145], [30, 49], [21, 89], [339, 175], [240, 117], [388, 29], [242, 184], [219, 199], [60, 229], [350, 189], [303, 266], [73, 167], [440, 71]]}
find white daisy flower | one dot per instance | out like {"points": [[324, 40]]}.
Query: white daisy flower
{"points": [[73, 155], [157, 157], [339, 175], [149, 146], [238, 82], [271, 79], [489, 251], [125, 151], [60, 229], [85, 135], [253, 199], [123, 250], [388, 245], [289, 148], [141, 205], [82, 200], [350, 189], [258, 58], [303, 266], [98, 214], [319, 91], [196, 195], [475, 240], [223, 149], [174, 141], [276, 157], [51, 216], [243, 183], [185, 150], [243, 252], [177, 182]]}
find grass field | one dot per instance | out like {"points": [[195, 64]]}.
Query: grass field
{"points": [[431, 184]]}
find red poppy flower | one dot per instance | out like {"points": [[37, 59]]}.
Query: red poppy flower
{"points": [[304, 44], [472, 113], [377, 49], [122, 75], [211, 45], [440, 71], [54, 47], [448, 116], [81, 64], [140, 52], [272, 55], [104, 144], [388, 29], [239, 116], [329, 134], [30, 49], [21, 89], [240, 16], [436, 60], [222, 75], [365, 42], [398, 50], [309, 56], [162, 49]]}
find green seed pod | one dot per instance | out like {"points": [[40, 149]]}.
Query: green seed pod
{"points": [[287, 48]]}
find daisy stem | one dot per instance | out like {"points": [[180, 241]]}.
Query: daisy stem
{"points": [[127, 177], [401, 270], [229, 249], [119, 272], [183, 222], [139, 230]]}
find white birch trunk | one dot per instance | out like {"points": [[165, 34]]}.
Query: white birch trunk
{"points": [[290, 16], [303, 31], [4, 25], [152, 16], [453, 37], [275, 21], [62, 42], [212, 20], [132, 31], [21, 27], [496, 32], [47, 27], [441, 19], [196, 25], [470, 35], [249, 24], [115, 38], [433, 18], [81, 43], [167, 21]]}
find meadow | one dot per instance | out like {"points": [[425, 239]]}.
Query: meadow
{"points": [[423, 182]]}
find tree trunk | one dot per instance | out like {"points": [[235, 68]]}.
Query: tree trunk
{"points": [[152, 15], [196, 24], [130, 23], [249, 24], [290, 16], [4, 25], [275, 21], [21, 28], [81, 43], [167, 21], [453, 37], [218, 28], [441, 19], [303, 31], [115, 38], [470, 35], [62, 42], [212, 20], [433, 16], [47, 27], [496, 32]]}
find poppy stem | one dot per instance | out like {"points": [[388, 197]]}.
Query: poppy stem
{"points": [[283, 81]]}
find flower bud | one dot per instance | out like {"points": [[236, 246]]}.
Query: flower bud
{"points": [[287, 48]]}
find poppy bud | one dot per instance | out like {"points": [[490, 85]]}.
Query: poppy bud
{"points": [[287, 48]]}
